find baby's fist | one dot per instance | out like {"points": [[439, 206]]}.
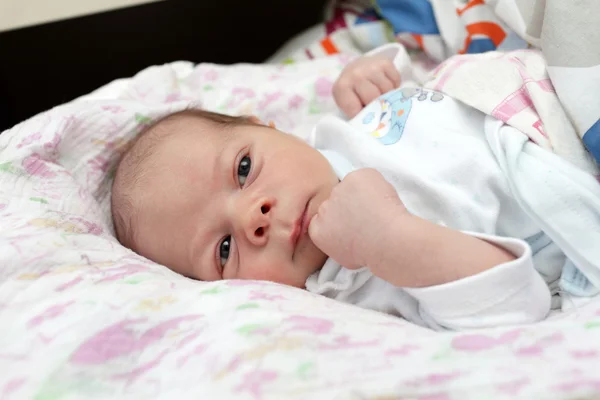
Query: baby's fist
{"points": [[362, 81], [349, 226]]}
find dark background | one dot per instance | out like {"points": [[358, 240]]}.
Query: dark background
{"points": [[46, 65]]}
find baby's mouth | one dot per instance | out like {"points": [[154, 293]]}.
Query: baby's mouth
{"points": [[299, 229]]}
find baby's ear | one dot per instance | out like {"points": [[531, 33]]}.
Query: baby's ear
{"points": [[257, 120]]}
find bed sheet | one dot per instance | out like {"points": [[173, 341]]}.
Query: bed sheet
{"points": [[83, 317]]}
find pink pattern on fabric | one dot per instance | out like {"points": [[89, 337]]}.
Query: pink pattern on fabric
{"points": [[51, 147], [68, 284], [539, 346], [11, 386], [114, 109], [480, 342], [402, 351], [324, 87], [518, 101], [255, 295], [586, 353], [269, 98], [345, 342], [114, 341], [211, 75], [198, 350], [295, 102], [30, 139], [579, 384], [254, 382], [513, 388], [36, 166], [120, 339], [448, 69], [118, 273], [317, 326], [137, 372], [436, 396], [50, 313], [239, 282]]}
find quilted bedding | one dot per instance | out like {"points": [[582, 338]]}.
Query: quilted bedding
{"points": [[83, 317]]}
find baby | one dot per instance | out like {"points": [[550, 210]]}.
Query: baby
{"points": [[406, 196]]}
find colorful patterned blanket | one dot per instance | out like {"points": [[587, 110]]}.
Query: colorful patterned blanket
{"points": [[564, 33]]}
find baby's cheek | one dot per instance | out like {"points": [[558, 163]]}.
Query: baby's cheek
{"points": [[279, 272]]}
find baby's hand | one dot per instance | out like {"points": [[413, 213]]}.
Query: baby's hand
{"points": [[362, 81], [350, 225]]}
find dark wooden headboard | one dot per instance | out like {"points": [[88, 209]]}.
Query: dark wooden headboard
{"points": [[46, 65]]}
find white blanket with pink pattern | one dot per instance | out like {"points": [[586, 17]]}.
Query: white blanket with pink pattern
{"points": [[83, 317]]}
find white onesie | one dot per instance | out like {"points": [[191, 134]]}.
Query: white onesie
{"points": [[433, 150]]}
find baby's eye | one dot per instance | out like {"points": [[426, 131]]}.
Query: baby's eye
{"points": [[224, 249], [244, 169]]}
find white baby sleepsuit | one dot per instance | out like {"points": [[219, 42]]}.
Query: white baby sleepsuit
{"points": [[433, 150]]}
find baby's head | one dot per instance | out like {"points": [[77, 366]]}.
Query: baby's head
{"points": [[217, 197]]}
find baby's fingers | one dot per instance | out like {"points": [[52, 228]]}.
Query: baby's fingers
{"points": [[367, 92], [392, 74], [347, 100], [383, 83], [316, 233]]}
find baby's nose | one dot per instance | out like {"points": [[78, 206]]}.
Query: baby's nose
{"points": [[258, 223]]}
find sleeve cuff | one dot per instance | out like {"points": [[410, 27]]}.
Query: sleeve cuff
{"points": [[399, 56]]}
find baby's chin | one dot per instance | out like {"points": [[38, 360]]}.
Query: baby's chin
{"points": [[299, 279], [320, 263]]}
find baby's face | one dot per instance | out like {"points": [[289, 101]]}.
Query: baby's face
{"points": [[234, 206]]}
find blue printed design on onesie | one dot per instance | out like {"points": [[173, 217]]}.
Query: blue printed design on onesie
{"points": [[385, 118], [368, 118]]}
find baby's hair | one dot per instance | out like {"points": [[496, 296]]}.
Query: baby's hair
{"points": [[133, 165]]}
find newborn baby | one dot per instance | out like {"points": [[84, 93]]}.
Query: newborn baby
{"points": [[406, 196]]}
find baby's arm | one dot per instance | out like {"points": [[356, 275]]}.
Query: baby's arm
{"points": [[460, 280], [430, 254], [364, 223]]}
